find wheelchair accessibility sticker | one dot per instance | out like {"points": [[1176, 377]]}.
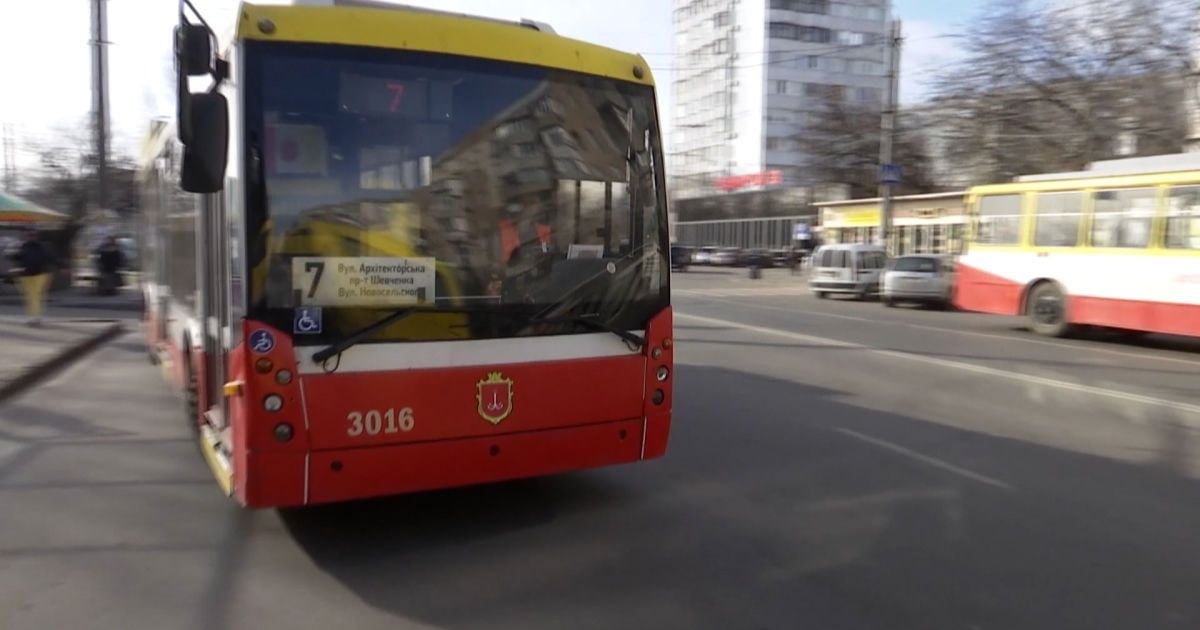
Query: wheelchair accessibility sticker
{"points": [[307, 321], [262, 341]]}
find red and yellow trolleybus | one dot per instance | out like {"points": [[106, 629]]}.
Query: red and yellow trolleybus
{"points": [[391, 249]]}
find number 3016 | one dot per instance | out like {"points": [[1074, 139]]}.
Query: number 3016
{"points": [[374, 422]]}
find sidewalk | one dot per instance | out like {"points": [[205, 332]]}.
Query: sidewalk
{"points": [[30, 354], [128, 298]]}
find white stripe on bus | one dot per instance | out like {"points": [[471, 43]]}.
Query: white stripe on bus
{"points": [[374, 357]]}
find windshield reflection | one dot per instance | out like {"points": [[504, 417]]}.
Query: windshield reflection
{"points": [[514, 186]]}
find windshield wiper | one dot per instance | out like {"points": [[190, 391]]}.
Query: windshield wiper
{"points": [[593, 321], [341, 345]]}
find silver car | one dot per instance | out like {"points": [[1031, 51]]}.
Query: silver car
{"points": [[923, 278]]}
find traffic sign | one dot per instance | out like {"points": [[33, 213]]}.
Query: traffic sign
{"points": [[890, 174]]}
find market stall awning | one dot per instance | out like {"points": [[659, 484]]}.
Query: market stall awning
{"points": [[17, 211]]}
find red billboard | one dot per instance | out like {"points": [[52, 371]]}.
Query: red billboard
{"points": [[737, 182]]}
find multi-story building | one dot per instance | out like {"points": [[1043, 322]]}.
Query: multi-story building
{"points": [[749, 75]]}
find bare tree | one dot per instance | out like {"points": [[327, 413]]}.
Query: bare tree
{"points": [[842, 142], [1047, 87]]}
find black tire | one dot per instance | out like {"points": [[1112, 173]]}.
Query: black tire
{"points": [[821, 295], [1046, 308], [888, 302]]}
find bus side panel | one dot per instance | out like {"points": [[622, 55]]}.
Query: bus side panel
{"points": [[1158, 317], [983, 292], [267, 471]]}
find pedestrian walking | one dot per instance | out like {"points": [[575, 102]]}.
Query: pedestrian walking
{"points": [[32, 265], [109, 261]]}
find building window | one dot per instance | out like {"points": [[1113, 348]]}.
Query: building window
{"points": [[866, 68], [781, 87], [813, 34], [721, 19], [779, 115], [782, 30], [867, 95], [856, 11], [820, 7], [722, 45], [850, 38]]}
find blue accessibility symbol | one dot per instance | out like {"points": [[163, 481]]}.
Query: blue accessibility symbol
{"points": [[307, 321], [262, 341]]}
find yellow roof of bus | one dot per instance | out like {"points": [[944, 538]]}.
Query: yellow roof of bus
{"points": [[1082, 183], [403, 28]]}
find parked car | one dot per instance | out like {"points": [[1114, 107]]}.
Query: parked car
{"points": [[756, 258], [703, 256], [923, 278], [681, 257], [780, 257], [726, 257], [847, 268]]}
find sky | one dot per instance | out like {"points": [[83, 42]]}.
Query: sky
{"points": [[46, 72]]}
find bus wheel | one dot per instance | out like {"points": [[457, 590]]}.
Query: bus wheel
{"points": [[820, 295], [1047, 310]]}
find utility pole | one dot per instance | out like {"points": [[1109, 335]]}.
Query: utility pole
{"points": [[100, 97], [888, 175], [10, 158]]}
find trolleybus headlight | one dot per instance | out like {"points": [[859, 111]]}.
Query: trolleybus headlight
{"points": [[656, 353], [263, 365], [283, 432], [667, 342], [658, 397], [273, 402], [662, 373], [283, 377]]}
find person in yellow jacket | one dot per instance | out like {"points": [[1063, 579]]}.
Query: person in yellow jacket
{"points": [[33, 262]]}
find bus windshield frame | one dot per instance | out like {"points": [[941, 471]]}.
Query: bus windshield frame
{"points": [[514, 198]]}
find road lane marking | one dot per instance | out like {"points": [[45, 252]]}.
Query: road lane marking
{"points": [[967, 367], [971, 333], [926, 459]]}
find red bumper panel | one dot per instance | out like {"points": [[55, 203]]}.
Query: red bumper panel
{"points": [[447, 403], [358, 473], [275, 480], [984, 292], [658, 430]]}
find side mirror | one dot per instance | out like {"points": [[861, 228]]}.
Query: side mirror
{"points": [[193, 50], [206, 155]]}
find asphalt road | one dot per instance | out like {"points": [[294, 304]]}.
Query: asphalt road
{"points": [[833, 465]]}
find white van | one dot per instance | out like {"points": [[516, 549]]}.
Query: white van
{"points": [[852, 268]]}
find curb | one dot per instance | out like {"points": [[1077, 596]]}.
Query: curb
{"points": [[64, 357]]}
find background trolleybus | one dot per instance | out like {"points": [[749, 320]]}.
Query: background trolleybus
{"points": [[1109, 247]]}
